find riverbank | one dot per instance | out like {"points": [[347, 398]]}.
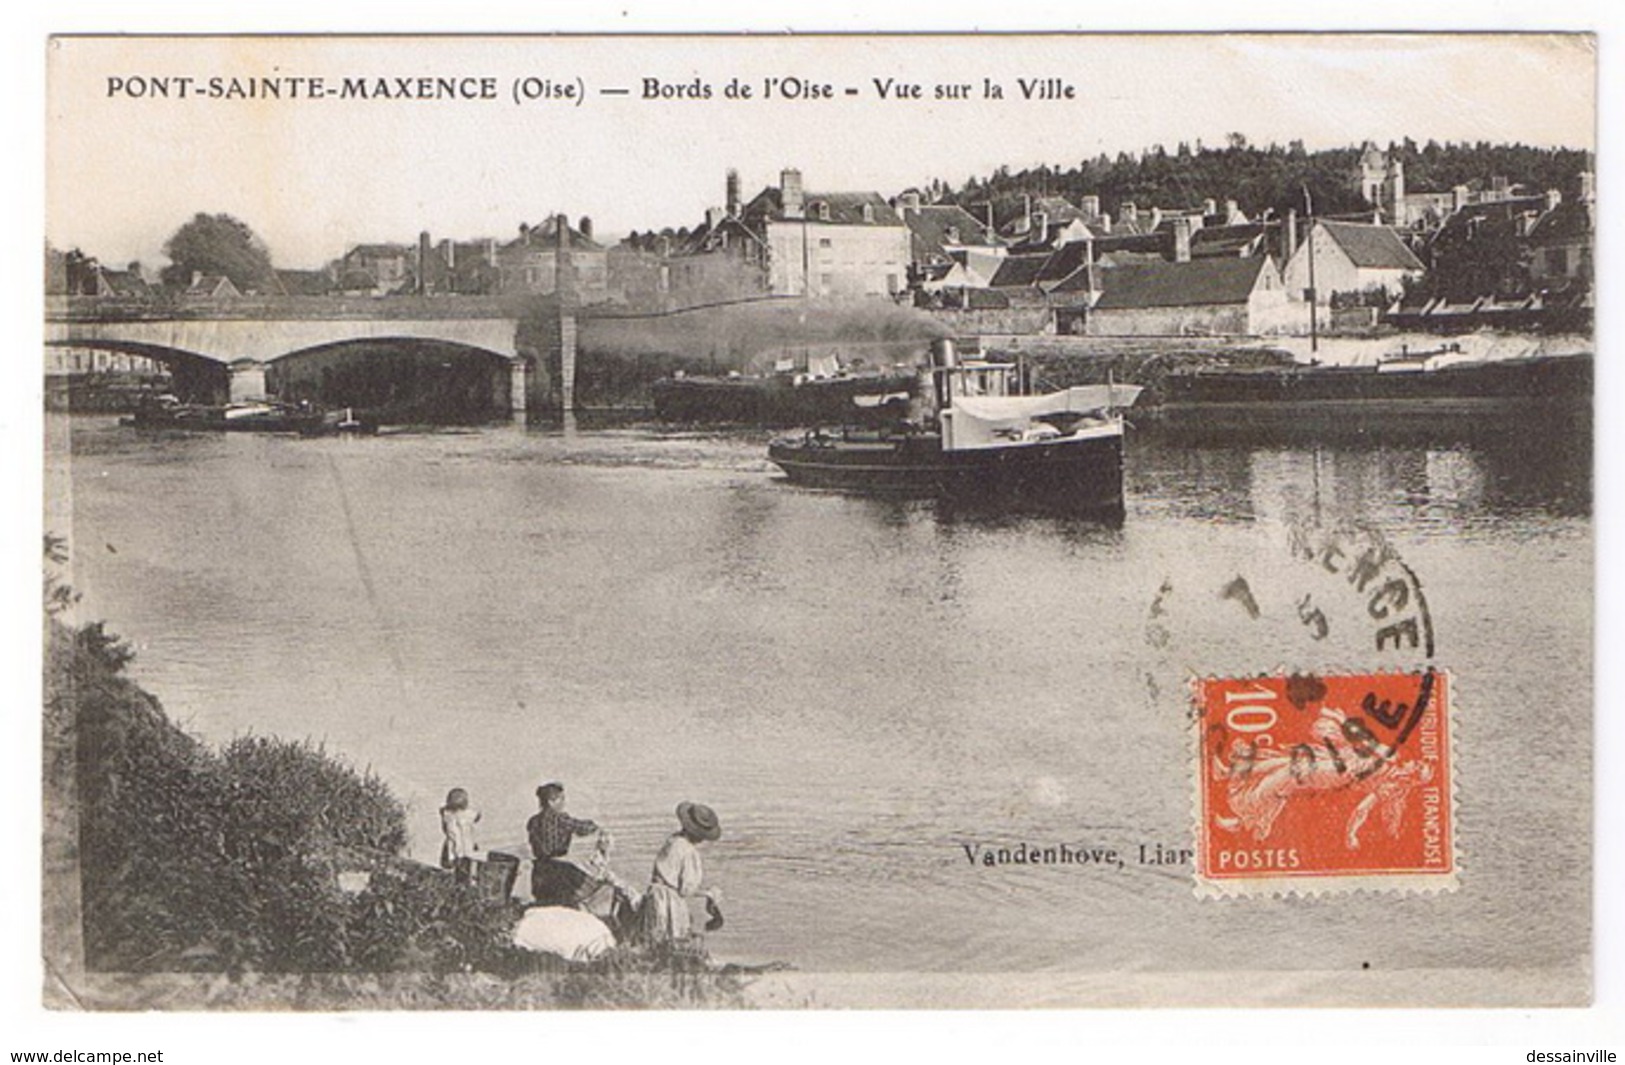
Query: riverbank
{"points": [[266, 874]]}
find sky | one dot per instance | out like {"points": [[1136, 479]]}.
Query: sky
{"points": [[313, 177]]}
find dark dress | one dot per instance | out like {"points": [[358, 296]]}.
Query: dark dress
{"points": [[553, 881]]}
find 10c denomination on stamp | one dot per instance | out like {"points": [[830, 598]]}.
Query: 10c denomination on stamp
{"points": [[1313, 783]]}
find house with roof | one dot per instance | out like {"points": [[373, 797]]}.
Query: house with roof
{"points": [[948, 247], [1217, 296], [1047, 222], [830, 244], [210, 287], [723, 257], [788, 241], [456, 267], [122, 284], [1562, 241], [375, 269], [1350, 257], [554, 257], [301, 282]]}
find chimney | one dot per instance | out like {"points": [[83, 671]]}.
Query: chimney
{"points": [[1129, 213], [910, 202], [1553, 198], [1291, 234], [1182, 239], [424, 247], [448, 253], [491, 251], [1588, 186], [1091, 206], [1106, 224], [713, 216], [586, 227], [790, 194], [1232, 213], [1458, 197], [1041, 223], [731, 199], [1210, 207], [1156, 218]]}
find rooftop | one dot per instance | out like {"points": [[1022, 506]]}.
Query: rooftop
{"points": [[1371, 247], [1196, 283]]}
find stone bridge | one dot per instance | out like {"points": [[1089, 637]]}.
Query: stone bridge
{"points": [[206, 347]]}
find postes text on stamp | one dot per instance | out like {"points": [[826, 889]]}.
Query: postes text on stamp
{"points": [[1313, 783]]}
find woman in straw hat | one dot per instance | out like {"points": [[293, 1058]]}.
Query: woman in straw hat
{"points": [[677, 876]]}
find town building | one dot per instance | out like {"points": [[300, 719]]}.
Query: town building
{"points": [[1349, 259], [1562, 241], [554, 258], [829, 244], [456, 267], [302, 282], [375, 269], [788, 241], [205, 287], [723, 258], [948, 247], [1217, 296]]}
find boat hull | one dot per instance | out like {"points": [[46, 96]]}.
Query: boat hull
{"points": [[1327, 389], [216, 423], [1083, 473]]}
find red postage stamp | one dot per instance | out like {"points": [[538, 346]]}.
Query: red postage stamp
{"points": [[1313, 783]]}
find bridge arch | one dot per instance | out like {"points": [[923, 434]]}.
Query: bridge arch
{"points": [[194, 377], [401, 378]]}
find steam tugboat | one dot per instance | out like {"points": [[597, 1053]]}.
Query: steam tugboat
{"points": [[986, 438]]}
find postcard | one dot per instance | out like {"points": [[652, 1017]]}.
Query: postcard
{"points": [[819, 521]]}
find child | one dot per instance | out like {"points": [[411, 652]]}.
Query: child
{"points": [[457, 822]]}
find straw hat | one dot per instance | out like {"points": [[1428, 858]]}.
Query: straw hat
{"points": [[699, 821]]}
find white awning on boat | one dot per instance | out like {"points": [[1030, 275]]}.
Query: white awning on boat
{"points": [[1083, 399], [998, 421]]}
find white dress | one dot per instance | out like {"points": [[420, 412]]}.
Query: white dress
{"points": [[458, 826], [677, 874]]}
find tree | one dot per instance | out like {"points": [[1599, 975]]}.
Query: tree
{"points": [[217, 244]]}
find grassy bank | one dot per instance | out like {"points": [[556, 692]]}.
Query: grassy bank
{"points": [[266, 873]]}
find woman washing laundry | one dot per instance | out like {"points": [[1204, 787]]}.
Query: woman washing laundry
{"points": [[678, 876]]}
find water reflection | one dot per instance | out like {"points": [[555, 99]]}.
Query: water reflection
{"points": [[1454, 478]]}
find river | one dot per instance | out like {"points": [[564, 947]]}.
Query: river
{"points": [[860, 688]]}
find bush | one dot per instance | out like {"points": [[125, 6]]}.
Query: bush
{"points": [[229, 861], [294, 796], [413, 918]]}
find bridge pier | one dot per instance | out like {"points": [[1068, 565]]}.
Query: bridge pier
{"points": [[247, 380], [567, 361], [519, 386]]}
